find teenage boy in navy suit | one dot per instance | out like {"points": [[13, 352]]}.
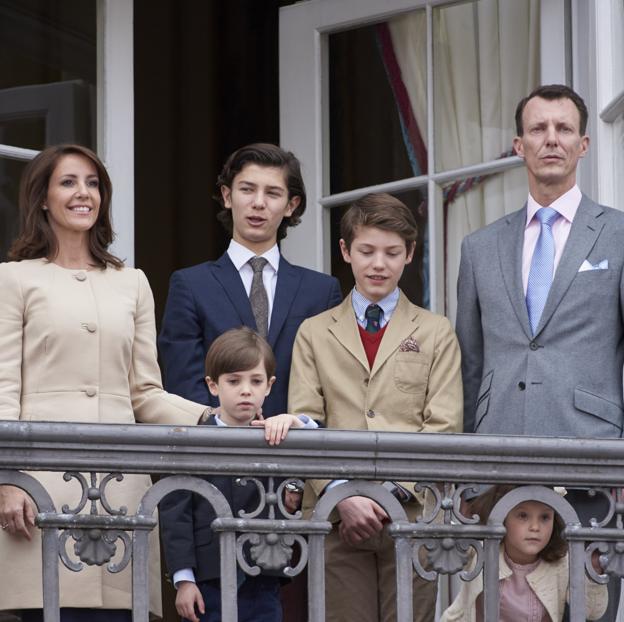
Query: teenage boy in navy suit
{"points": [[262, 194]]}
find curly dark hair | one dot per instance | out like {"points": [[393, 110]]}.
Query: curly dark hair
{"points": [[264, 154], [36, 238], [483, 505]]}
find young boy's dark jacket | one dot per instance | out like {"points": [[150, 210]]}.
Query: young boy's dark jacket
{"points": [[185, 519]]}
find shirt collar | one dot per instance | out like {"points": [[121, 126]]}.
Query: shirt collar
{"points": [[387, 304], [567, 205], [240, 255]]}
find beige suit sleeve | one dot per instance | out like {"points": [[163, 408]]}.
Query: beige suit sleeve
{"points": [[150, 402], [11, 337], [305, 393], [444, 403], [596, 599]]}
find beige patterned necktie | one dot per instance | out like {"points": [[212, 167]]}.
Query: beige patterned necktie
{"points": [[258, 296]]}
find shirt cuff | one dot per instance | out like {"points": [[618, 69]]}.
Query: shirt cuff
{"points": [[334, 483], [185, 574], [308, 422]]}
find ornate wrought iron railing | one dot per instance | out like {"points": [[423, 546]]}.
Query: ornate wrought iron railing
{"points": [[444, 465]]}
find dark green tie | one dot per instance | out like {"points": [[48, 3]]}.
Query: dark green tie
{"points": [[373, 318]]}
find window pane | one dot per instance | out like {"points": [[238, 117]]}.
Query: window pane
{"points": [[486, 58], [413, 280], [47, 86], [48, 72], [617, 38], [370, 113]]}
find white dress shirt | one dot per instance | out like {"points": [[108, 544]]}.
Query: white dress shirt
{"points": [[240, 256]]}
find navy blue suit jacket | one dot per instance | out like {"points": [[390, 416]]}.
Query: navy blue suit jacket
{"points": [[206, 300]]}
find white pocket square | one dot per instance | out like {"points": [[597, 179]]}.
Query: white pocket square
{"points": [[601, 265]]}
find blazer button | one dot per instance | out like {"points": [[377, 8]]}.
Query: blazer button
{"points": [[533, 345], [80, 276], [366, 382], [91, 327], [370, 413], [91, 391], [521, 386]]}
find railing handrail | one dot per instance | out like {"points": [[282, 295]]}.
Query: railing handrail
{"points": [[311, 453]]}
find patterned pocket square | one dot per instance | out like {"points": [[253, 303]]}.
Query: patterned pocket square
{"points": [[409, 345], [601, 265]]}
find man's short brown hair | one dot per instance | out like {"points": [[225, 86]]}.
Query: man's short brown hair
{"points": [[552, 92], [382, 211], [239, 349]]}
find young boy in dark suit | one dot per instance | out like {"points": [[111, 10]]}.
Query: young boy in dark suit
{"points": [[240, 371]]}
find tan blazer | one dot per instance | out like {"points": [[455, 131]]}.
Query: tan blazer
{"points": [[79, 346], [405, 391]]}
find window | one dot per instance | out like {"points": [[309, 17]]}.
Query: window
{"points": [[64, 78], [415, 98]]}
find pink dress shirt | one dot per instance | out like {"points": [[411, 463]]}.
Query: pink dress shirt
{"points": [[566, 205]]}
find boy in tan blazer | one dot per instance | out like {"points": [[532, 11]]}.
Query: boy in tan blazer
{"points": [[375, 362]]}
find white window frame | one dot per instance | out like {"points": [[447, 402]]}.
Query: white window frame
{"points": [[304, 119], [593, 67], [115, 117]]}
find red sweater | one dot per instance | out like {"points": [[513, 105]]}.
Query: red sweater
{"points": [[371, 342]]}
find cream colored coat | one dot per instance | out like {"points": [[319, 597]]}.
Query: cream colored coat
{"points": [[405, 391], [549, 581], [79, 346]]}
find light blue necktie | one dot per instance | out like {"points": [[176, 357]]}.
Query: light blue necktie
{"points": [[542, 266]]}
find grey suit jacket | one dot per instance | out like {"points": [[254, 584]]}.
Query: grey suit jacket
{"points": [[567, 379]]}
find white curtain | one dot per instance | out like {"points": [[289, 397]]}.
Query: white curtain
{"points": [[486, 58]]}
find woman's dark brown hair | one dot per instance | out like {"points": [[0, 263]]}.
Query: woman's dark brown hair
{"points": [[36, 238], [482, 505]]}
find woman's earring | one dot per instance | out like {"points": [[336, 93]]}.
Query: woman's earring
{"points": [[44, 208]]}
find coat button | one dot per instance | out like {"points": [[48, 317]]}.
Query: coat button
{"points": [[80, 276], [91, 327], [533, 345], [521, 386], [91, 391], [370, 413], [366, 382]]}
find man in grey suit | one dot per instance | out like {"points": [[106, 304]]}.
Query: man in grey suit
{"points": [[562, 377], [541, 294]]}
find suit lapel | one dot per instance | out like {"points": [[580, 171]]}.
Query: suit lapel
{"points": [[288, 280], [345, 329], [583, 235], [226, 273], [510, 244], [403, 323]]}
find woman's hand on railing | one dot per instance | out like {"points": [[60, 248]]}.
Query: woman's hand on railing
{"points": [[360, 519], [17, 511], [187, 599]]}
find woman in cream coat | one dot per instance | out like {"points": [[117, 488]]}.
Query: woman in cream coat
{"points": [[77, 344]]}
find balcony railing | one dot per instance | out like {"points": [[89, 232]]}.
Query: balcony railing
{"points": [[444, 465]]}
